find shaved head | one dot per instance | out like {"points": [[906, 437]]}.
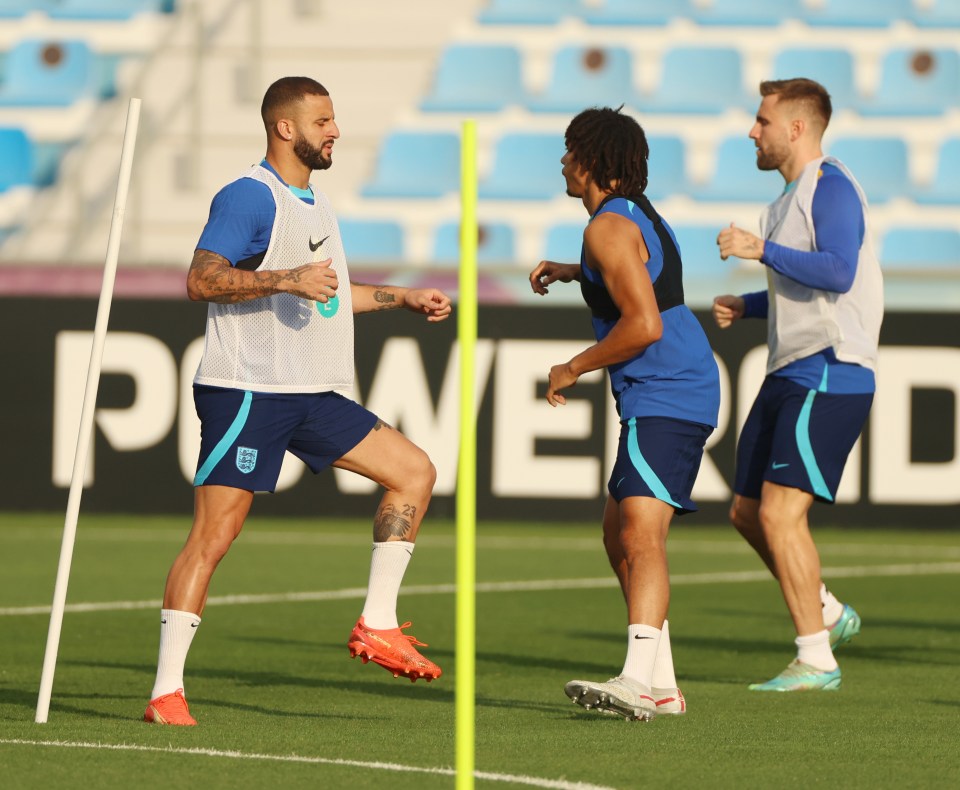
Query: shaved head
{"points": [[283, 97]]}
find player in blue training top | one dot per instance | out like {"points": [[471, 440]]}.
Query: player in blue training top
{"points": [[823, 308], [277, 375], [665, 384]]}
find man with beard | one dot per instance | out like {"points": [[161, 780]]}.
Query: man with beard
{"points": [[824, 307], [277, 375]]}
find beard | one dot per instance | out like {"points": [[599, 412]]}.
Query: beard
{"points": [[770, 160], [312, 157]]}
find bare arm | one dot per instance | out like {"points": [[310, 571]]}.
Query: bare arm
{"points": [[212, 279], [548, 272], [616, 249], [431, 302]]}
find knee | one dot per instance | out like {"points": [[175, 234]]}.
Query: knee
{"points": [[745, 520], [423, 473]]}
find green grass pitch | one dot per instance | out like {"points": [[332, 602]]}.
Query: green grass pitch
{"points": [[280, 703]]}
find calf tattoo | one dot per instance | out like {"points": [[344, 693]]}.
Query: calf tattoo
{"points": [[393, 522]]}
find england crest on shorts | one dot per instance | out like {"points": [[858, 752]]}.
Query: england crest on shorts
{"points": [[246, 459]]}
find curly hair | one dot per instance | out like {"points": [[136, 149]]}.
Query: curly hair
{"points": [[284, 93], [612, 147]]}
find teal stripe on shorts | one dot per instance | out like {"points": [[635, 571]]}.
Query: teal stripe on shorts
{"points": [[226, 442], [649, 477]]}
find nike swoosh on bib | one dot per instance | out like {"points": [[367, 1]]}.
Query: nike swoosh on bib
{"points": [[316, 246]]}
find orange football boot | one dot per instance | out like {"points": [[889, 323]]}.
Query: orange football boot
{"points": [[393, 650], [169, 709]]}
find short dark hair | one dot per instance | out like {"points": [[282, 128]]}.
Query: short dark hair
{"points": [[284, 93], [810, 93], [612, 147]]}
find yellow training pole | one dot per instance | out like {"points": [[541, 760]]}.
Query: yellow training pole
{"points": [[467, 467]]}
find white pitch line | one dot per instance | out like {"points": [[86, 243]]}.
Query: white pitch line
{"points": [[535, 585], [530, 781]]}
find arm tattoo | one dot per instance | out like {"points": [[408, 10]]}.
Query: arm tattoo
{"points": [[215, 280], [385, 298], [381, 424], [394, 522]]}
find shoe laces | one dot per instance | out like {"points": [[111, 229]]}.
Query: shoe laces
{"points": [[411, 637]]}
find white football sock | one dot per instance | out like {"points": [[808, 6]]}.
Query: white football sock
{"points": [[387, 566], [832, 608], [642, 643], [177, 630], [663, 674], [814, 649]]}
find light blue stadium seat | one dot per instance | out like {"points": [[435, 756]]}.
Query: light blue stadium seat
{"points": [[832, 68], [921, 248], [879, 164], [916, 82], [495, 243], [698, 80], [45, 73], [371, 241], [634, 12], [699, 251], [945, 185], [587, 77], [476, 77], [526, 166], [563, 242], [528, 12], [14, 9], [736, 177], [937, 13], [416, 164], [104, 10], [858, 13], [666, 167], [17, 158], [747, 13]]}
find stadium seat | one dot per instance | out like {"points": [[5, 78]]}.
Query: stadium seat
{"points": [[17, 158], [936, 13], [481, 78], [587, 77], [879, 164], [495, 243], [104, 10], [371, 241], [699, 251], [747, 13], [666, 167], [630, 12], [916, 82], [526, 166], [736, 177], [563, 242], [945, 186], [832, 68], [14, 9], [43, 73], [857, 13], [921, 248], [528, 12], [416, 164], [698, 80]]}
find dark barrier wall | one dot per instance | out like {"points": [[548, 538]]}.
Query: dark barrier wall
{"points": [[535, 462]]}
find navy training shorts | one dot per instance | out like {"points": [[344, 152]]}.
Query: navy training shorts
{"points": [[798, 437], [658, 457], [244, 434]]}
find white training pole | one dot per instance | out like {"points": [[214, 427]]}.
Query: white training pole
{"points": [[86, 416]]}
